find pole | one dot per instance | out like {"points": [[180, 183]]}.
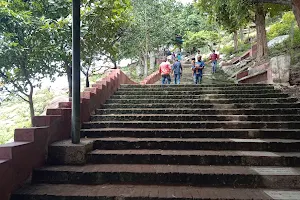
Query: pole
{"points": [[76, 72]]}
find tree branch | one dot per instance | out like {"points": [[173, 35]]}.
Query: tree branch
{"points": [[284, 2], [14, 84], [16, 93]]}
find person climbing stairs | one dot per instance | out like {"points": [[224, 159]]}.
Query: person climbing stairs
{"points": [[208, 141]]}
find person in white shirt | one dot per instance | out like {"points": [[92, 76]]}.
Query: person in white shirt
{"points": [[197, 55]]}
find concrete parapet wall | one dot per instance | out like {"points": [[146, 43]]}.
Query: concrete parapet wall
{"points": [[261, 74], [250, 53], [242, 75], [30, 148], [151, 79], [275, 71]]}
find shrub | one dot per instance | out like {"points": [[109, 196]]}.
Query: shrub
{"points": [[278, 29], [283, 27], [286, 47], [288, 17], [244, 47], [297, 37], [227, 50]]}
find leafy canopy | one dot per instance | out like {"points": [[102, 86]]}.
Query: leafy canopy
{"points": [[200, 39]]}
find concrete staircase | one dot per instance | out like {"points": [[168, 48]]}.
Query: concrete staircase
{"points": [[183, 142], [208, 78]]}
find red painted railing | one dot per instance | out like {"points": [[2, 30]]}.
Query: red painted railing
{"points": [[17, 159]]}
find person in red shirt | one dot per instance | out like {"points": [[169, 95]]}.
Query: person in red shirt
{"points": [[214, 61], [165, 71]]}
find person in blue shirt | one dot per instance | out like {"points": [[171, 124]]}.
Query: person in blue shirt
{"points": [[177, 71], [198, 70], [179, 57]]}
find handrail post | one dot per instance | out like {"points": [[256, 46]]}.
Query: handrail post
{"points": [[75, 72]]}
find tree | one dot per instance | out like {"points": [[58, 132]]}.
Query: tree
{"points": [[221, 11], [296, 10], [154, 26], [24, 51], [103, 24], [239, 12], [191, 19], [200, 39], [294, 3]]}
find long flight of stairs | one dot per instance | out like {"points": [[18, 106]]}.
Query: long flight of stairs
{"points": [[183, 142]]}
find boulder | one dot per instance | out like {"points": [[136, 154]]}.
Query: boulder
{"points": [[277, 40]]}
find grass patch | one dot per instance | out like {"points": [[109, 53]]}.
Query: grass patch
{"points": [[14, 113]]}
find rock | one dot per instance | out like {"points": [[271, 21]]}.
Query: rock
{"points": [[280, 66], [277, 40]]}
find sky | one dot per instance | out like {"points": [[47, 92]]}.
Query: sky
{"points": [[185, 1]]}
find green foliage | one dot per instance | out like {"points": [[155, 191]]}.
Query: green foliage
{"points": [[24, 50], [288, 17], [152, 26], [278, 29], [296, 39], [200, 39], [227, 50], [14, 113], [231, 15], [289, 46], [235, 14], [283, 27], [103, 24], [191, 19]]}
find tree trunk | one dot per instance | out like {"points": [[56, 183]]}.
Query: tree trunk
{"points": [[296, 9], [236, 42], [139, 67], [152, 60], [145, 65], [262, 48], [115, 64], [31, 108], [113, 60], [242, 34], [87, 81], [69, 75]]}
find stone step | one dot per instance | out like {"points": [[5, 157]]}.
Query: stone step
{"points": [[147, 192], [214, 176], [192, 87], [162, 92], [195, 157], [197, 111], [277, 145], [204, 105], [193, 117], [193, 133], [197, 101], [203, 96], [204, 85], [193, 124]]}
